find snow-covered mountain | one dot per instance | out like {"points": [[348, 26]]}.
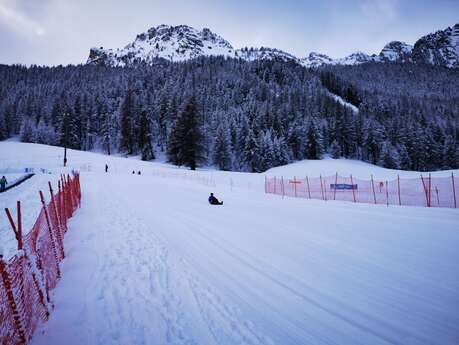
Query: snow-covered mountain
{"points": [[316, 59], [439, 48], [174, 43], [355, 59], [396, 51], [179, 43], [263, 53]]}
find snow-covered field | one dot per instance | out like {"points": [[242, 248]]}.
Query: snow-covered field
{"points": [[150, 262]]}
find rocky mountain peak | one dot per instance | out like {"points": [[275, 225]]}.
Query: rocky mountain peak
{"points": [[314, 60], [263, 53], [438, 48], [396, 51], [174, 43]]}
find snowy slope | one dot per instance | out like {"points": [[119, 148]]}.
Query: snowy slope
{"points": [[27, 193], [150, 262], [157, 265], [343, 102]]}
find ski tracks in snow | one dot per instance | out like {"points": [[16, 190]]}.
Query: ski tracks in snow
{"points": [[149, 263], [135, 290], [222, 320]]}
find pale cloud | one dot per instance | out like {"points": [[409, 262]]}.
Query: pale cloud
{"points": [[380, 9], [12, 17]]}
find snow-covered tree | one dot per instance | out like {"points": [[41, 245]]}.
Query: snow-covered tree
{"points": [[222, 148]]}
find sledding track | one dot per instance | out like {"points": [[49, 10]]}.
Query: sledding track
{"points": [[155, 264], [17, 183]]}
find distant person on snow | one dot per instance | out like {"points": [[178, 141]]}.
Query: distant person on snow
{"points": [[138, 173], [133, 171], [3, 183], [106, 168], [213, 200]]}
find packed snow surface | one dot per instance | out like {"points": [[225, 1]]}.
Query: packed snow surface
{"points": [[150, 262]]}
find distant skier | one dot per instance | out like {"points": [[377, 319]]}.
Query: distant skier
{"points": [[213, 200], [133, 172], [139, 173], [106, 168], [3, 183]]}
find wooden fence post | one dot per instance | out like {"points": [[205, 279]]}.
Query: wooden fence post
{"points": [[309, 189], [17, 230], [50, 231], [454, 189], [59, 232], [19, 215], [64, 203], [425, 191], [321, 188], [398, 188], [325, 189], [282, 186], [373, 187], [430, 190], [353, 191], [387, 194], [336, 182], [294, 185], [70, 205]]}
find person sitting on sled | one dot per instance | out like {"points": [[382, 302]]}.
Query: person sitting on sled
{"points": [[213, 200]]}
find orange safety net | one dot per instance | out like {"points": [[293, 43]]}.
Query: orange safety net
{"points": [[27, 277], [423, 191]]}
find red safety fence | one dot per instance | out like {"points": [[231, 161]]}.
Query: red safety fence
{"points": [[27, 277], [425, 191]]}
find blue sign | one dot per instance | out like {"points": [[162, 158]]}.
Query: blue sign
{"points": [[343, 186]]}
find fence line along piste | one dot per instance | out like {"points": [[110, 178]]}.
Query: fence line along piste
{"points": [[424, 191], [27, 278]]}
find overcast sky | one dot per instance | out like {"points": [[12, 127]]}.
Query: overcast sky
{"points": [[52, 32]]}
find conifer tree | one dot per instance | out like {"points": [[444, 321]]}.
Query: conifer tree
{"points": [[450, 154], [222, 148], [145, 137], [249, 152], [282, 153], [105, 130], [127, 135], [265, 152], [335, 150], [404, 158], [314, 143], [389, 157], [185, 142]]}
